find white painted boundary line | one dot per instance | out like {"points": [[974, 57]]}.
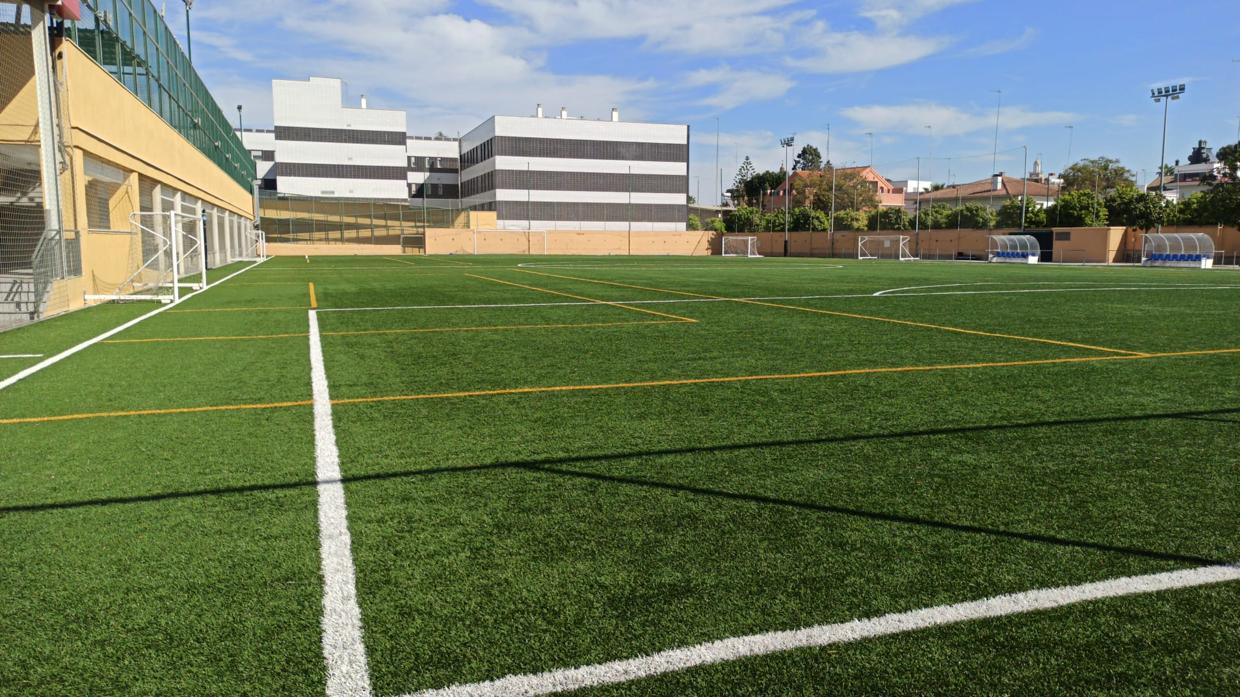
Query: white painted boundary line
{"points": [[343, 651], [17, 377], [736, 648], [22, 355], [675, 301]]}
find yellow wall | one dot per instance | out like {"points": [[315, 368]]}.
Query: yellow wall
{"points": [[18, 104], [109, 122]]}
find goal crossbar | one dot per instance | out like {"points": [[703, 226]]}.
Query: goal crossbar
{"points": [[885, 247], [739, 246]]}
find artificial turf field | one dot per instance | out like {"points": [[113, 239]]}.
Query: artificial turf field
{"points": [[551, 463]]}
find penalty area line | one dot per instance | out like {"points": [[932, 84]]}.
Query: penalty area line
{"points": [[348, 674], [751, 645]]}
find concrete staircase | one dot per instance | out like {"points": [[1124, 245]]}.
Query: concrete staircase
{"points": [[18, 304]]}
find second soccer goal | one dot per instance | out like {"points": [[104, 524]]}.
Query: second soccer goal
{"points": [[740, 246]]}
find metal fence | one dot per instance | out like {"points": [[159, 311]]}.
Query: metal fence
{"points": [[314, 220]]}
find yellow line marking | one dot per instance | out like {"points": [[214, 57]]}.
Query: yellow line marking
{"points": [[238, 309], [626, 385], [853, 315], [446, 261], [582, 297], [155, 412], [416, 330], [314, 302], [173, 339], [431, 330]]}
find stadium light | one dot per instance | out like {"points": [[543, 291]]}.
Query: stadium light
{"points": [[787, 143], [1166, 95]]}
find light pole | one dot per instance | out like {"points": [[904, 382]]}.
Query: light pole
{"points": [[1071, 132], [871, 136], [1024, 189], [240, 123], [719, 198], [917, 215], [1166, 95], [189, 44], [930, 163], [787, 143], [994, 157]]}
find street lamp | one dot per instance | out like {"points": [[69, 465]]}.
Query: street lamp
{"points": [[787, 143], [189, 44], [1166, 95]]}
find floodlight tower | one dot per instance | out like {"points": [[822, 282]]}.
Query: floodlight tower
{"points": [[787, 143], [1166, 95]]}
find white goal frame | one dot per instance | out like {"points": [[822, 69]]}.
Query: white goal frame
{"points": [[898, 244], [751, 246], [179, 250]]}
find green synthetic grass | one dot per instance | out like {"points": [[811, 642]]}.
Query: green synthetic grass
{"points": [[521, 533]]}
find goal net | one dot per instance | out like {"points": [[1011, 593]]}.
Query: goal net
{"points": [[740, 246], [166, 255], [884, 247]]}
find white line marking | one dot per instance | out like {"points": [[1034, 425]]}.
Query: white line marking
{"points": [[736, 648], [673, 301], [22, 355], [17, 377], [343, 650]]}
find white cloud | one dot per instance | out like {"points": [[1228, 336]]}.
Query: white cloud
{"points": [[998, 46], [720, 27], [854, 52], [948, 120], [891, 15], [737, 87]]}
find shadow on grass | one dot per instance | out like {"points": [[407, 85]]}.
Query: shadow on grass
{"points": [[556, 466]]}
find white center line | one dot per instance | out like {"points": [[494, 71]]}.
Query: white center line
{"points": [[22, 355], [343, 651], [736, 648]]}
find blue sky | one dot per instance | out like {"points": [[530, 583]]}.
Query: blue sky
{"points": [[765, 69]]}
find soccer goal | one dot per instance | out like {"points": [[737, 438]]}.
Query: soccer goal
{"points": [[740, 246], [885, 247], [166, 255]]}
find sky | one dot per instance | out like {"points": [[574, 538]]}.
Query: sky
{"points": [[923, 76]]}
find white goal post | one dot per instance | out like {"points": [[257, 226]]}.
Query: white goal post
{"points": [[884, 247], [166, 253], [740, 246]]}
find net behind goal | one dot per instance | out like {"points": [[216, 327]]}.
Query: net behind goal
{"points": [[884, 247], [740, 246]]}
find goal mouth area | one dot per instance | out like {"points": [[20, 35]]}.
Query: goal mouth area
{"points": [[739, 246], [892, 247]]}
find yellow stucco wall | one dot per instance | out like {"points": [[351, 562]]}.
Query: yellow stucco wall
{"points": [[109, 122]]}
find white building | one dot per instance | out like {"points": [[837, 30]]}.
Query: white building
{"points": [[577, 174], [323, 148], [434, 171]]}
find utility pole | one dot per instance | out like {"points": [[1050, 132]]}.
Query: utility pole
{"points": [[994, 158], [1166, 95], [787, 143], [1024, 190], [719, 198]]}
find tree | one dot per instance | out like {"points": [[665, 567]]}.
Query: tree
{"points": [[743, 175], [850, 220], [773, 221], [743, 219], [1010, 213], [895, 219], [852, 192], [809, 160], [1100, 174], [1081, 208], [755, 187], [805, 219], [717, 225], [695, 223], [975, 216], [1131, 207], [939, 216]]}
